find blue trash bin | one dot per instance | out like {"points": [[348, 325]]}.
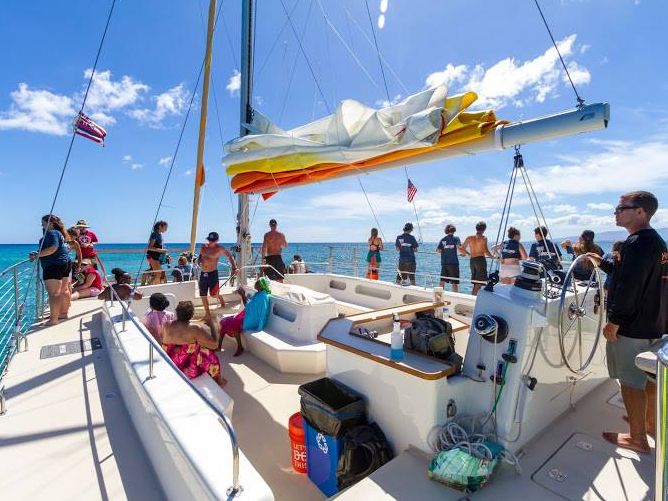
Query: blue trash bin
{"points": [[322, 458]]}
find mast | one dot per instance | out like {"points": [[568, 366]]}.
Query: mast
{"points": [[246, 115], [199, 176]]}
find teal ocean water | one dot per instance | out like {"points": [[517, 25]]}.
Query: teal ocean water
{"points": [[348, 258]]}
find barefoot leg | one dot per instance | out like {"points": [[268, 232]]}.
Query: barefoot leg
{"points": [[635, 402], [207, 311], [240, 348]]}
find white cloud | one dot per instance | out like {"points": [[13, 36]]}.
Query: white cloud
{"points": [[234, 83], [127, 158], [106, 95], [136, 166], [189, 172], [38, 111], [562, 208], [511, 82], [450, 75], [384, 103], [601, 206], [381, 21], [383, 6], [165, 161], [169, 103]]}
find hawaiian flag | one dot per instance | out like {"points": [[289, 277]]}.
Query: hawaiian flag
{"points": [[85, 127], [412, 190]]}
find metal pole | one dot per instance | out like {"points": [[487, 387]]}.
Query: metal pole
{"points": [[16, 293], [330, 260], [661, 468], [355, 272], [122, 317], [150, 360], [199, 168], [38, 300], [246, 117]]}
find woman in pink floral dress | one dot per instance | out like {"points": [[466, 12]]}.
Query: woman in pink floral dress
{"points": [[192, 346]]}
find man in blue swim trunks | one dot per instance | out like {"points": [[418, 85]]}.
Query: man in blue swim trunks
{"points": [[208, 278]]}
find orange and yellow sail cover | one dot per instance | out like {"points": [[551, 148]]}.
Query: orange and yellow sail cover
{"points": [[355, 139]]}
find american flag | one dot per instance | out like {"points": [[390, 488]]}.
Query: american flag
{"points": [[85, 127], [411, 191]]}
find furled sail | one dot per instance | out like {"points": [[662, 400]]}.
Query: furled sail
{"points": [[355, 139]]}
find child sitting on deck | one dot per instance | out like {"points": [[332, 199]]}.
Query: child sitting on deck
{"points": [[252, 318], [191, 346], [157, 318]]}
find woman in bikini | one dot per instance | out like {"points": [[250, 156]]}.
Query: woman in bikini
{"points": [[373, 256]]}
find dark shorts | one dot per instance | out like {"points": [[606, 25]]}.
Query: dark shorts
{"points": [[277, 269], [406, 271], [208, 283], [57, 271], [479, 268], [450, 270]]}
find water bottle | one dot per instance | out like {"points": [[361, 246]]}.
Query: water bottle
{"points": [[397, 340], [446, 312]]}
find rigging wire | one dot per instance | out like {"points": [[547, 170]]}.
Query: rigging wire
{"points": [[389, 100], [370, 42], [69, 149], [345, 45], [547, 27], [308, 62], [176, 150], [275, 42], [505, 212]]}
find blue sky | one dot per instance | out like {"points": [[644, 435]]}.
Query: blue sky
{"points": [[616, 50]]}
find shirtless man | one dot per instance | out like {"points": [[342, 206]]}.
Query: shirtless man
{"points": [[272, 245], [477, 249], [208, 278]]}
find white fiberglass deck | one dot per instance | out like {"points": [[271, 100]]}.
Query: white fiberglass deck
{"points": [[67, 434]]}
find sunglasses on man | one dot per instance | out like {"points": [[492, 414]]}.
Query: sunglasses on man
{"points": [[622, 208]]}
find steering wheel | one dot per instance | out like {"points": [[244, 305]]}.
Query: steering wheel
{"points": [[573, 309]]}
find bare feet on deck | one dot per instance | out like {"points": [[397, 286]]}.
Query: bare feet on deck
{"points": [[222, 382], [648, 426], [239, 351], [625, 441]]}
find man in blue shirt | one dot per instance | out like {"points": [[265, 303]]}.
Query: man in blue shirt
{"points": [[406, 245], [448, 247], [544, 251]]}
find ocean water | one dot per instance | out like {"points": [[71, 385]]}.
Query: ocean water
{"points": [[347, 258]]}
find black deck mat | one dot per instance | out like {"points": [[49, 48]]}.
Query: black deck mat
{"points": [[69, 348]]}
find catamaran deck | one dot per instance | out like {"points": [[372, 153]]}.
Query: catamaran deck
{"points": [[67, 433]]}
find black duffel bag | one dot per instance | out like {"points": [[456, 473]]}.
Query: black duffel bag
{"points": [[331, 407], [364, 449]]}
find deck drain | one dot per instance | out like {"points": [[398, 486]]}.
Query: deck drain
{"points": [[69, 348], [557, 474]]}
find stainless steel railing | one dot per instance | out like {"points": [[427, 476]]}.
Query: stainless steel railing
{"points": [[154, 347], [19, 308], [661, 468]]}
